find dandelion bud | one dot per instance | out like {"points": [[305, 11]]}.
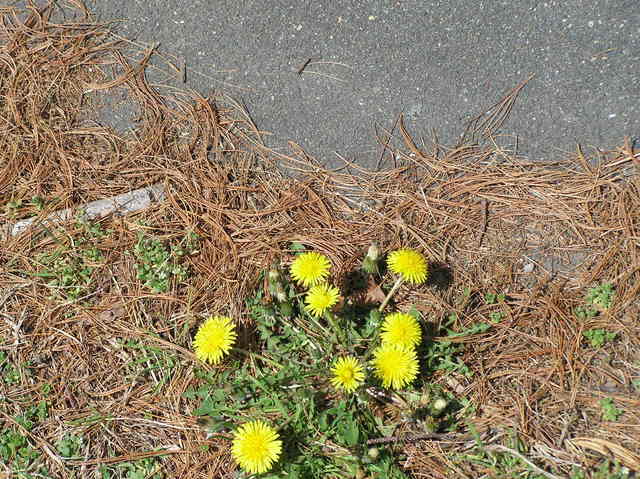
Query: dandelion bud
{"points": [[374, 251], [370, 266], [438, 406], [280, 293], [373, 452], [370, 262], [274, 275]]}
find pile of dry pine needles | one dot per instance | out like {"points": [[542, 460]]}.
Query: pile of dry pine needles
{"points": [[482, 215]]}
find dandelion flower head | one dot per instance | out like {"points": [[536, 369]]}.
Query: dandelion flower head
{"points": [[256, 446], [394, 365], [320, 298], [214, 339], [409, 264], [310, 268], [347, 374], [401, 329]]}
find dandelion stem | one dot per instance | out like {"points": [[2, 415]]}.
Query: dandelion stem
{"points": [[391, 293], [338, 333]]}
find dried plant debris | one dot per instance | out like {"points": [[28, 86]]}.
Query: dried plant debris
{"points": [[98, 315]]}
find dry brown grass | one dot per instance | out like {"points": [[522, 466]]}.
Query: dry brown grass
{"points": [[477, 211]]}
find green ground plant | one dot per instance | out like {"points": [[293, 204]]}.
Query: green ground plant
{"points": [[69, 271], [285, 375], [503, 462], [147, 468], [149, 361], [21, 207], [445, 355], [158, 265], [598, 337], [601, 296], [607, 470], [19, 454], [69, 446], [11, 373], [609, 410], [598, 298], [17, 450]]}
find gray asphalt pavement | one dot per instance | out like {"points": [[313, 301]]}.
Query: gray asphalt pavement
{"points": [[438, 62]]}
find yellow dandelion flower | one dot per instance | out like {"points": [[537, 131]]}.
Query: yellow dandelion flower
{"points": [[401, 329], [256, 446], [409, 264], [309, 269], [394, 365], [320, 298], [214, 339], [347, 374]]}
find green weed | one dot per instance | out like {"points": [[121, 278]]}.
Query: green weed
{"points": [[150, 361], [585, 312], [11, 208], [158, 265], [601, 296], [16, 449], [607, 470], [598, 298], [20, 456], [493, 298], [609, 410], [598, 337], [10, 373], [288, 379], [147, 468], [69, 271], [501, 464], [38, 202], [69, 276], [90, 420], [69, 446], [445, 355]]}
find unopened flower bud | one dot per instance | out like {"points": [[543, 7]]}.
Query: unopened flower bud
{"points": [[274, 275], [373, 452], [369, 265], [370, 262], [280, 293], [439, 405], [373, 252]]}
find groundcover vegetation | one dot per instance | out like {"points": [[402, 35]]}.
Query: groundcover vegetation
{"points": [[459, 313]]}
